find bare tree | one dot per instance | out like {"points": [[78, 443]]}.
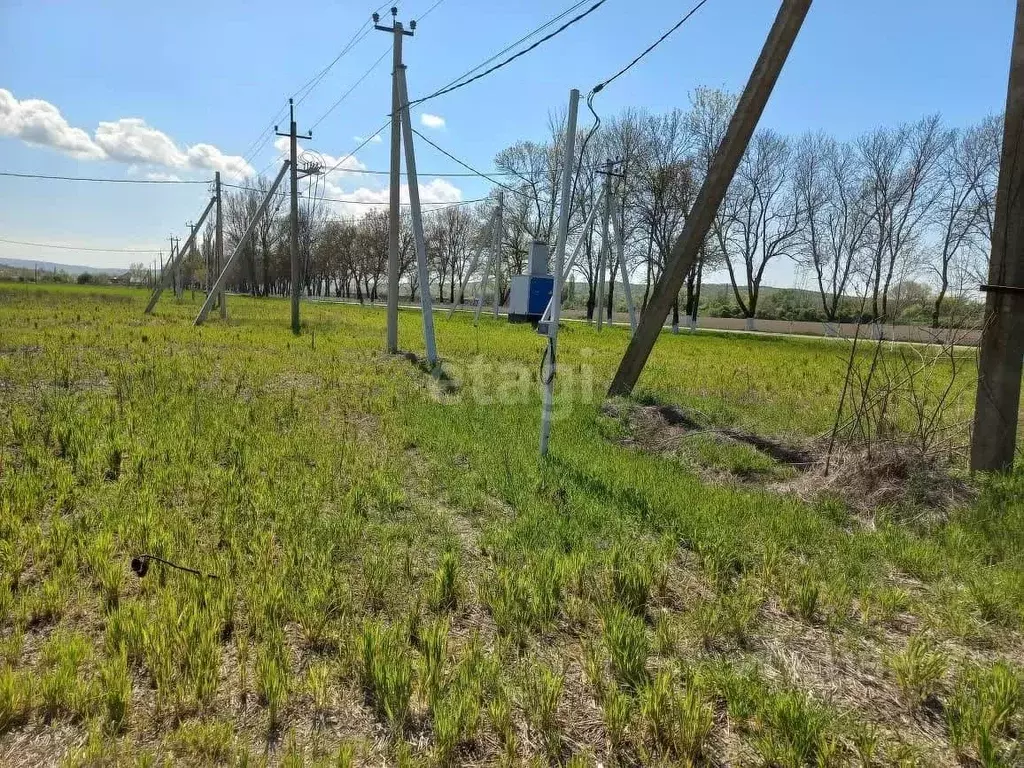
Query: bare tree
{"points": [[239, 209], [900, 167], [761, 218], [834, 234], [707, 121], [663, 180], [961, 209]]}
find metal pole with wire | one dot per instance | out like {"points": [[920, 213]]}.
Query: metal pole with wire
{"points": [[551, 352]]}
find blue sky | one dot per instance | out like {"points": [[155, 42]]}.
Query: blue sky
{"points": [[216, 73]]}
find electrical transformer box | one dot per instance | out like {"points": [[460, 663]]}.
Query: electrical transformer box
{"points": [[530, 293]]}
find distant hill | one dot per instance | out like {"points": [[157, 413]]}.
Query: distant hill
{"points": [[49, 266]]}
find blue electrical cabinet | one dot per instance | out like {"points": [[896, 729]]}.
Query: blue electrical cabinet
{"points": [[529, 297], [530, 293]]}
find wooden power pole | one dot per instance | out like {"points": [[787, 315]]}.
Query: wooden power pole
{"points": [[394, 220], [727, 158], [996, 412]]}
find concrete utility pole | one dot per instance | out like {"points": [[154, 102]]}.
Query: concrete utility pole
{"points": [[394, 219], [474, 264], [727, 158], [218, 248], [417, 224], [606, 246], [192, 251], [218, 287], [166, 274], [496, 238], [293, 141], [620, 246], [174, 275], [567, 271], [605, 217], [997, 407], [551, 353]]}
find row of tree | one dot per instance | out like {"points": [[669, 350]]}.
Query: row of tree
{"points": [[896, 207]]}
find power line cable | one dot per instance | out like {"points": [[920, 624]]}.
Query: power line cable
{"points": [[429, 10], [80, 248], [600, 86], [103, 180], [300, 95], [518, 42], [604, 83], [445, 174], [362, 144], [467, 166], [510, 59], [355, 85]]}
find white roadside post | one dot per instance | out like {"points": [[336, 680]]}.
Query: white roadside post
{"points": [[551, 353], [417, 223]]}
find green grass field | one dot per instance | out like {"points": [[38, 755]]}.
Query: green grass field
{"points": [[389, 574]]}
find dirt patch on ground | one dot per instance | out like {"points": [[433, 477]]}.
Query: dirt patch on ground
{"points": [[661, 428], [887, 476]]}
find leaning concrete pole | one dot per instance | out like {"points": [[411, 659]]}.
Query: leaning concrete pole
{"points": [[475, 263], [997, 407], [417, 224], [167, 270], [239, 246], [727, 158]]}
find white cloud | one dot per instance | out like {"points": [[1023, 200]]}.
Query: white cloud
{"points": [[41, 124], [127, 140], [431, 121], [161, 176], [363, 199], [375, 139], [130, 140]]}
